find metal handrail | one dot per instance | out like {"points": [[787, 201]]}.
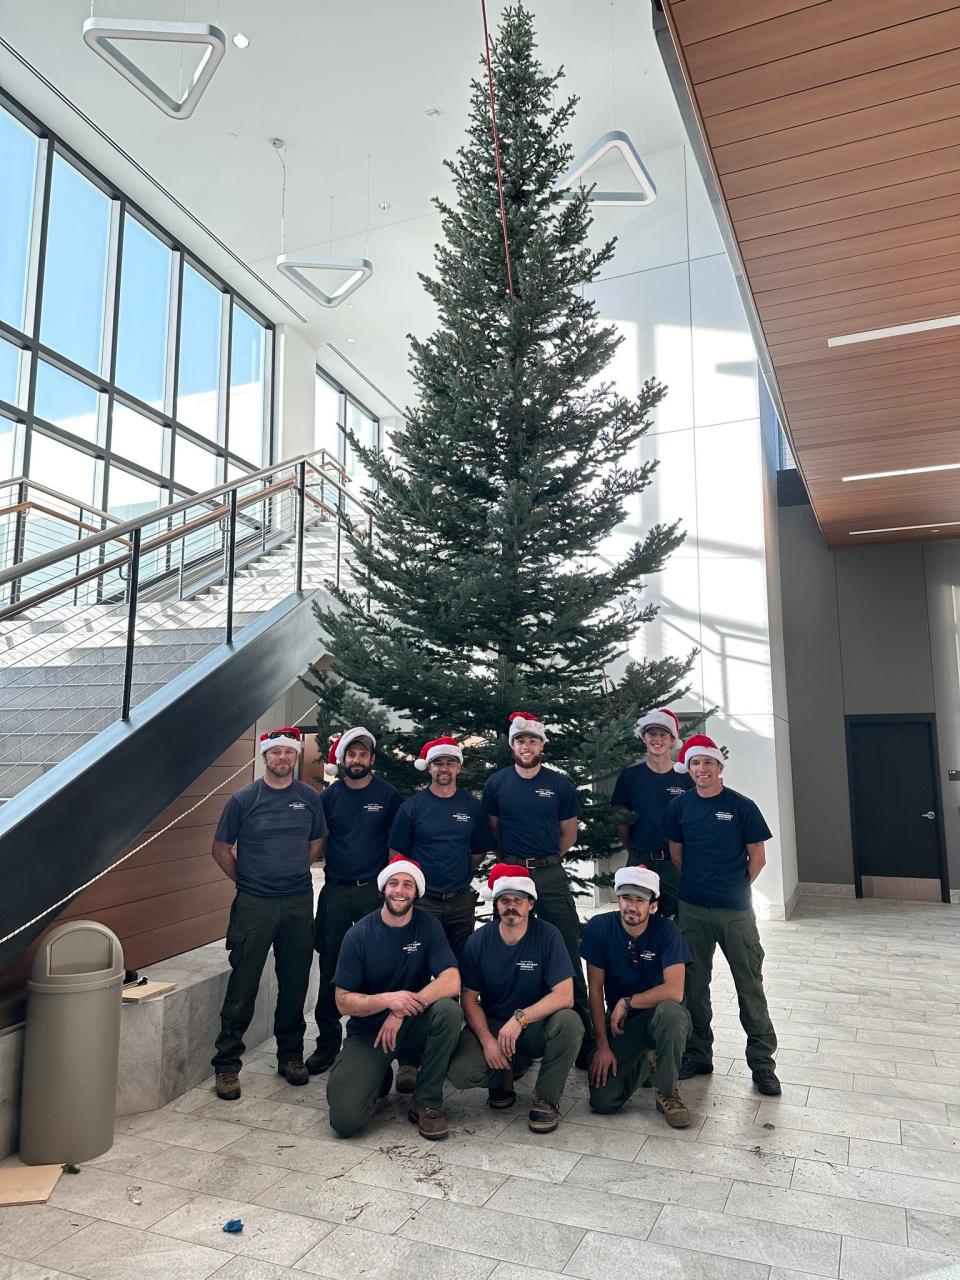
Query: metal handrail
{"points": [[20, 507], [61, 497]]}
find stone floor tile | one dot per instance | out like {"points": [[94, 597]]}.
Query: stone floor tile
{"points": [[482, 1231], [240, 1268], [587, 1140], [640, 1117], [112, 1197], [938, 1232], [575, 1206], [340, 1200], [16, 1269], [349, 1254], [740, 1087], [941, 1074], [809, 1072], [127, 1152], [261, 1113], [26, 1230], [775, 1141], [107, 1251], [924, 1090], [812, 1119], [547, 1164], [869, 1260], [217, 1175], [922, 1163], [882, 1188], [642, 1182], [725, 1236], [935, 1137], [516, 1271], [865, 1052], [820, 1212], [330, 1157], [183, 1130], [420, 1170], [600, 1257], [268, 1234], [747, 1164]]}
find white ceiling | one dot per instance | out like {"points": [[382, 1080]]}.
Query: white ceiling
{"points": [[339, 82]]}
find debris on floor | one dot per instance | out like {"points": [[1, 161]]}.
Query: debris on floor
{"points": [[28, 1184]]}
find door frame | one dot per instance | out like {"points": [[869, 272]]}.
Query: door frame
{"points": [[929, 719]]}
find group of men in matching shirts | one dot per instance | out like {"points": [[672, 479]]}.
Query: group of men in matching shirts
{"points": [[398, 943]]}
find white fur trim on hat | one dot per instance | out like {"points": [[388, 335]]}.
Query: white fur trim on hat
{"points": [[351, 735], [661, 719], [525, 722], [402, 866], [627, 878], [267, 744], [698, 745], [509, 884], [438, 747]]}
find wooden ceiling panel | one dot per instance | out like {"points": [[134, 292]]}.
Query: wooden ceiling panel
{"points": [[702, 19], [933, 289]]}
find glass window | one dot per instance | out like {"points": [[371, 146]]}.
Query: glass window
{"points": [[248, 349], [131, 497], [328, 419], [367, 431], [145, 276], [75, 274], [139, 439], [19, 149], [194, 467], [60, 467], [14, 372], [67, 402], [198, 392], [9, 449]]}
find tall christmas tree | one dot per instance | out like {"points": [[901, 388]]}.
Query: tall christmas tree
{"points": [[487, 587]]}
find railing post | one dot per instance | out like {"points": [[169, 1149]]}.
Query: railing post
{"points": [[231, 561], [134, 586], [301, 504]]}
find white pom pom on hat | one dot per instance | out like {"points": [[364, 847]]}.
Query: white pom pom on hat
{"points": [[526, 722], [698, 745], [339, 746], [438, 747]]}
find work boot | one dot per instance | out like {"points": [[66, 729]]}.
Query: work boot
{"points": [[650, 1066], [228, 1085], [431, 1123], [501, 1098], [673, 1110], [322, 1059], [293, 1071], [689, 1068], [765, 1081], [406, 1079], [543, 1116]]}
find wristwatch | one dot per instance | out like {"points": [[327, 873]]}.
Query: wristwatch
{"points": [[521, 1017]]}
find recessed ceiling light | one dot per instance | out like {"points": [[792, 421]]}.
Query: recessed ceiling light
{"points": [[241, 41], [907, 528], [351, 339], [903, 471], [433, 113], [384, 206], [894, 331]]}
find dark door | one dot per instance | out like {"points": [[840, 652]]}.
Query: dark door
{"points": [[895, 798]]}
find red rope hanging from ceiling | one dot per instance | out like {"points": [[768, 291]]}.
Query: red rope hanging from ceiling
{"points": [[496, 150]]}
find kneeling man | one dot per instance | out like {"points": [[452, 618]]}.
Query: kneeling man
{"points": [[635, 969], [517, 1001], [396, 979]]}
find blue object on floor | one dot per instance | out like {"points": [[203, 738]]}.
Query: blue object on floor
{"points": [[234, 1226]]}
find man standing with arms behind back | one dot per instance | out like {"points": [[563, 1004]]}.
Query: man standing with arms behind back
{"points": [[716, 842], [534, 814], [359, 809], [277, 825]]}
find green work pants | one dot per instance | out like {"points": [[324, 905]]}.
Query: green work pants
{"points": [[736, 933], [663, 1028], [428, 1039], [457, 916], [256, 925], [555, 1040], [557, 905], [338, 907]]}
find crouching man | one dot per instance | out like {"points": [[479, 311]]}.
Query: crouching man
{"points": [[635, 969], [396, 979], [517, 1001]]}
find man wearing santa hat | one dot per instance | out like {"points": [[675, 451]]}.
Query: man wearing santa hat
{"points": [[359, 809], [396, 980], [645, 790], [517, 1000], [534, 813], [445, 829], [636, 961], [277, 826], [716, 842]]}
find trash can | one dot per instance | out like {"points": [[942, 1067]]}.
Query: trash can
{"points": [[72, 1045]]}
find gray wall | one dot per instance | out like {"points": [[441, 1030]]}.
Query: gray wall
{"points": [[869, 631]]}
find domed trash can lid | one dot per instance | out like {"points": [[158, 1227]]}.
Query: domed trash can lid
{"points": [[80, 955]]}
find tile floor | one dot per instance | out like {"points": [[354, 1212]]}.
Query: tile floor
{"points": [[854, 1172]]}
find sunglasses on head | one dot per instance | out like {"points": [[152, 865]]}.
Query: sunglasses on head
{"points": [[291, 731]]}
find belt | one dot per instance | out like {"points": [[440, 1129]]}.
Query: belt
{"points": [[550, 861], [655, 855], [356, 884], [445, 897]]}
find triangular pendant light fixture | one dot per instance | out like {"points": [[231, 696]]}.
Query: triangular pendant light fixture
{"points": [[356, 270], [101, 35], [613, 140]]}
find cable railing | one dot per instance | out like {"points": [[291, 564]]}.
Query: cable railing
{"points": [[91, 628]]}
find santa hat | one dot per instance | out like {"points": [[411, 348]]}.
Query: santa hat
{"points": [[288, 736], [506, 877], [406, 866], [660, 719], [634, 879], [526, 722], [339, 746], [698, 745], [438, 747]]}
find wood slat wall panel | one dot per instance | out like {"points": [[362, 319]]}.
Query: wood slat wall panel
{"points": [[136, 884], [850, 230], [855, 263], [178, 843], [156, 945], [833, 322], [703, 19], [930, 288]]}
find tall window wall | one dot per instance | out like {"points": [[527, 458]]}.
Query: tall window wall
{"points": [[130, 375], [336, 413]]}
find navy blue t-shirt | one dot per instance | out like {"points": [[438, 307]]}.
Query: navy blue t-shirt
{"points": [[376, 957], [530, 810], [512, 978], [358, 822], [648, 794], [441, 834], [631, 969], [272, 828], [715, 833]]}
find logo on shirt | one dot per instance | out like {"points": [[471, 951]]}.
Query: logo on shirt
{"points": [[723, 816], [544, 793], [674, 791], [648, 955], [461, 817], [296, 804], [527, 966], [411, 948], [373, 808]]}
